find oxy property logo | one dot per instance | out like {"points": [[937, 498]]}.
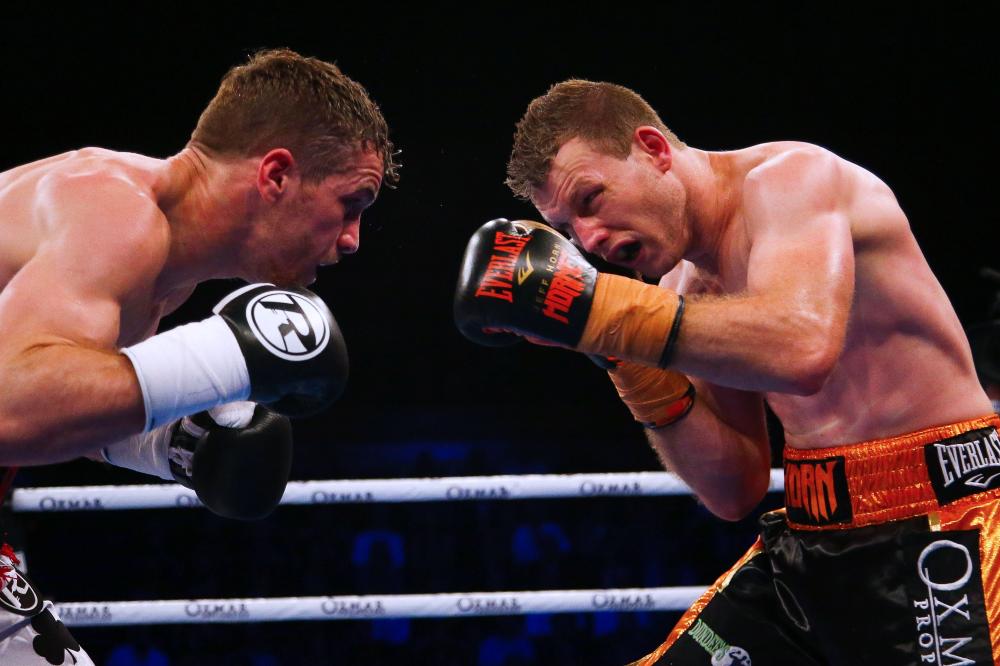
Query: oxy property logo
{"points": [[623, 602], [289, 325], [352, 607], [946, 595], [85, 614], [488, 606], [963, 465], [592, 488], [218, 611]]}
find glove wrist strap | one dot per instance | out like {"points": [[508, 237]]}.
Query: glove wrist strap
{"points": [[632, 320], [674, 411], [188, 369], [656, 397], [145, 452]]}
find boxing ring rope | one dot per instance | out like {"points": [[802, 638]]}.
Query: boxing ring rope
{"points": [[374, 607], [368, 607], [443, 489]]}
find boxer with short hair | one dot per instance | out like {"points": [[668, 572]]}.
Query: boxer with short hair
{"points": [[787, 276], [97, 246]]}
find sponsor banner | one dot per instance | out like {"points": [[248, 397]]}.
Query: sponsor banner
{"points": [[114, 613], [599, 488], [964, 465], [527, 486], [611, 601], [104, 498], [49, 503], [816, 491], [86, 614]]}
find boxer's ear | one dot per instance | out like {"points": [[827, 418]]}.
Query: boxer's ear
{"points": [[275, 174], [651, 141]]}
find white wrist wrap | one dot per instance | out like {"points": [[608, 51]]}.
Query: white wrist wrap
{"points": [[145, 452], [188, 369]]}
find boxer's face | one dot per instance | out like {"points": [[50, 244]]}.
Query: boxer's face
{"points": [[318, 222], [627, 211]]}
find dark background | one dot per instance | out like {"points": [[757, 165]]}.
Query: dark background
{"points": [[908, 92]]}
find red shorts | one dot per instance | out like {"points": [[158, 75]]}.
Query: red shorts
{"points": [[885, 553]]}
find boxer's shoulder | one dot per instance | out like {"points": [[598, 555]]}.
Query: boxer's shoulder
{"points": [[99, 176], [103, 203], [785, 167]]}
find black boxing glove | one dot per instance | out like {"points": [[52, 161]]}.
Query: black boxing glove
{"points": [[294, 350], [237, 472], [236, 457], [281, 347], [523, 278]]}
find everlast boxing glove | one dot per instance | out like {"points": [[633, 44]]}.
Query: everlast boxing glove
{"points": [[281, 347], [524, 278]]}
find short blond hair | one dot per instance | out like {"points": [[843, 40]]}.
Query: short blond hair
{"points": [[282, 99], [603, 114]]}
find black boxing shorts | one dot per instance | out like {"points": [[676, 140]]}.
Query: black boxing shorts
{"points": [[30, 631], [886, 553]]}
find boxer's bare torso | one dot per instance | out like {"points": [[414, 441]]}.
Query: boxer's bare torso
{"points": [[806, 289], [905, 362], [97, 246]]}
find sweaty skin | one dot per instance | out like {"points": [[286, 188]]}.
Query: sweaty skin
{"points": [[97, 246], [806, 289]]}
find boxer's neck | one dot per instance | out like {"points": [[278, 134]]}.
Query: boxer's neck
{"points": [[205, 200]]}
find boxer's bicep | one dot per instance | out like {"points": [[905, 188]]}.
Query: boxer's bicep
{"points": [[67, 389], [800, 272], [801, 252], [38, 307]]}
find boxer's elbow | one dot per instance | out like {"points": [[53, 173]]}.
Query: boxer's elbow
{"points": [[20, 436], [809, 362], [735, 507], [808, 375], [738, 499]]}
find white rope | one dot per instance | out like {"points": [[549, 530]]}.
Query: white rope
{"points": [[447, 489], [282, 609]]}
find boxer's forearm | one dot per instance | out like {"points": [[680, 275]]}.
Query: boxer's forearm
{"points": [[726, 464], [754, 343], [59, 402]]}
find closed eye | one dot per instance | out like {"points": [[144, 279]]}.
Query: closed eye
{"points": [[356, 204], [588, 200], [567, 232]]}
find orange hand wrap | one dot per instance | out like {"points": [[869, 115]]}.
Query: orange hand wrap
{"points": [[655, 397], [630, 320]]}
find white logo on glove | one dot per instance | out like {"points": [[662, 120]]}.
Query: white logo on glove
{"points": [[288, 325]]}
